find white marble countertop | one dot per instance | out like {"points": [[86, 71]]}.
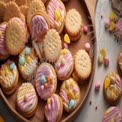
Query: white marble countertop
{"points": [[88, 113]]}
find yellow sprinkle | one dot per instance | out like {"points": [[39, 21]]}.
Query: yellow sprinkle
{"points": [[71, 95], [0, 33], [112, 16], [63, 52], [100, 59], [74, 75], [112, 26], [112, 120], [48, 101], [106, 112], [107, 83], [22, 69], [66, 39], [28, 59], [57, 14], [1, 119], [103, 52], [6, 70]]}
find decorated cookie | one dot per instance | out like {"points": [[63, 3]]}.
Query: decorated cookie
{"points": [[54, 108], [39, 26], [56, 12], [73, 24], [45, 81], [64, 65], [27, 100], [70, 94], [21, 2], [8, 77], [3, 50], [27, 63], [24, 9], [52, 45], [119, 62], [82, 65], [112, 114], [15, 36], [2, 10], [112, 88]]}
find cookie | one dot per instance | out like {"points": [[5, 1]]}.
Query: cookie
{"points": [[12, 10], [39, 26], [64, 65], [3, 50], [112, 88], [21, 2], [119, 63], [112, 114], [34, 7], [82, 65], [9, 77], [45, 81], [52, 45], [73, 24], [54, 107], [57, 13], [70, 94], [2, 10], [15, 37], [27, 63], [24, 9], [27, 100]]}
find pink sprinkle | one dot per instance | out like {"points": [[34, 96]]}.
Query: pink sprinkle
{"points": [[120, 55], [85, 29], [107, 23], [97, 86], [106, 62], [65, 45], [87, 47], [42, 87]]}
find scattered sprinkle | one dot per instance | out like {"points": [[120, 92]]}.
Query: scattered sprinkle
{"points": [[97, 86], [85, 29], [87, 46], [107, 23], [66, 39], [100, 59], [103, 52], [12, 65], [21, 60], [106, 62], [65, 45]]}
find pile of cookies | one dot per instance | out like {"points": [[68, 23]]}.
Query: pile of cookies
{"points": [[30, 32]]}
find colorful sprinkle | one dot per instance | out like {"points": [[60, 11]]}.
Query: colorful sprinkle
{"points": [[28, 59], [103, 52], [107, 83], [0, 33], [21, 60], [106, 62], [43, 80], [57, 14], [112, 16], [66, 39], [71, 103], [107, 23], [63, 52], [112, 26], [97, 86], [65, 45], [87, 47], [85, 29], [27, 51], [12, 65], [100, 59]]}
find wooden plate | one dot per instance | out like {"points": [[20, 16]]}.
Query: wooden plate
{"points": [[39, 116]]}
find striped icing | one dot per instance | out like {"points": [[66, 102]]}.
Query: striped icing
{"points": [[7, 76], [39, 27], [63, 70], [3, 50], [26, 97], [52, 109], [113, 114], [45, 91]]}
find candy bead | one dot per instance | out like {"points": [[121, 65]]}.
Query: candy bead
{"points": [[100, 59], [97, 86], [71, 103], [87, 47], [27, 51], [57, 14], [66, 39], [85, 29], [106, 62], [28, 59], [21, 60], [12, 65], [107, 82], [63, 52], [43, 80], [65, 45], [107, 23], [103, 52]]}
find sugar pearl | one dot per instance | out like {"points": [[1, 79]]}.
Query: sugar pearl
{"points": [[97, 86], [65, 45], [106, 62], [87, 47], [71, 103], [85, 29], [107, 23], [12, 65]]}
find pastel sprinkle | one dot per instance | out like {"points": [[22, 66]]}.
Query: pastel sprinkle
{"points": [[85, 29], [12, 65], [21, 60], [57, 14], [27, 51], [71, 103], [66, 39], [87, 47], [48, 101], [97, 86], [65, 45], [100, 59], [107, 23], [43, 80], [106, 62], [103, 52]]}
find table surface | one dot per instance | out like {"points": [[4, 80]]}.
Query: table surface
{"points": [[88, 113]]}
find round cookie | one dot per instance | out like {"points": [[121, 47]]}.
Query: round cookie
{"points": [[112, 114], [54, 108], [27, 63], [119, 62], [15, 36], [112, 88], [73, 24], [2, 10], [9, 77], [21, 2], [27, 100], [64, 65], [82, 65], [52, 45], [12, 10], [24, 9], [45, 81], [56, 12], [39, 26], [70, 94]]}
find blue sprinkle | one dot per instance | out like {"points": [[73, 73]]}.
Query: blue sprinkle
{"points": [[43, 80], [27, 51], [12, 65], [21, 60], [71, 103]]}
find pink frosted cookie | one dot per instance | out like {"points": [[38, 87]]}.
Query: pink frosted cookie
{"points": [[113, 114], [45, 81], [54, 108], [26, 100], [70, 94], [56, 12], [64, 65], [39, 26], [3, 50]]}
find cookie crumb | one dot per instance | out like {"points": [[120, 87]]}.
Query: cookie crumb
{"points": [[101, 16], [90, 103]]}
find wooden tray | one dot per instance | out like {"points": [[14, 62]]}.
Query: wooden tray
{"points": [[80, 5]]}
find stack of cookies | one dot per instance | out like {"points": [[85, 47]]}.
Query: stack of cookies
{"points": [[30, 34]]}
